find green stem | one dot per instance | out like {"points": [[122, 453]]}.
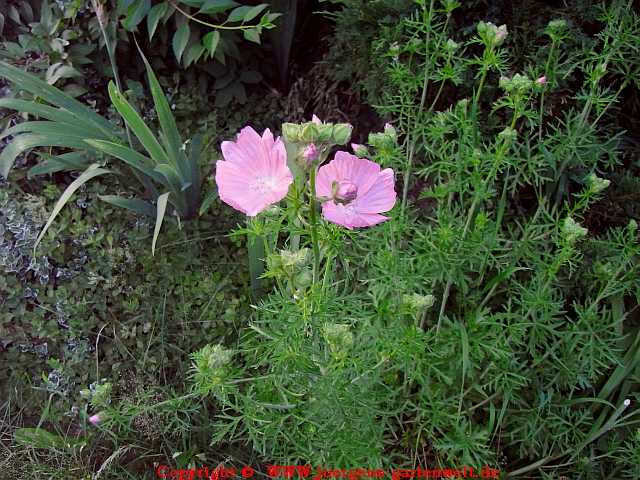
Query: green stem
{"points": [[418, 118], [485, 71], [217, 27], [314, 225]]}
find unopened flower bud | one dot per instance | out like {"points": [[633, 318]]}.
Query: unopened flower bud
{"points": [[542, 80], [291, 132], [390, 132], [572, 231], [99, 417], [508, 134], [305, 159], [344, 191], [310, 153], [316, 120], [309, 132], [360, 150], [597, 184], [342, 133], [303, 279], [325, 131], [451, 46]]}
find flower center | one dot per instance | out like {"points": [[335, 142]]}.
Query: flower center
{"points": [[260, 186]]}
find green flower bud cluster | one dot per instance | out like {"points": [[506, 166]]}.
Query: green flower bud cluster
{"points": [[339, 338], [387, 139], [317, 133], [490, 35], [293, 265], [416, 303], [572, 231], [597, 184], [517, 84], [210, 364], [98, 394], [508, 134], [555, 29]]}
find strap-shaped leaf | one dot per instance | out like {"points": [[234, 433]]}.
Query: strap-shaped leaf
{"points": [[34, 85], [48, 127], [171, 176], [131, 157], [133, 204], [60, 115], [30, 140], [162, 208], [208, 200], [72, 161], [93, 171], [139, 128], [165, 116]]}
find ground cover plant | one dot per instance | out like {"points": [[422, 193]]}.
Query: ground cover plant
{"points": [[439, 296]]}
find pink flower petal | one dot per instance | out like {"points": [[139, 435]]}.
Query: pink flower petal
{"points": [[255, 173], [374, 192], [345, 166], [381, 197], [348, 217]]}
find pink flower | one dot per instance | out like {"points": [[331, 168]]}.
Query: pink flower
{"points": [[255, 173], [94, 418], [542, 80], [359, 191]]}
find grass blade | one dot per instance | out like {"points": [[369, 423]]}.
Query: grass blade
{"points": [[93, 171]]}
